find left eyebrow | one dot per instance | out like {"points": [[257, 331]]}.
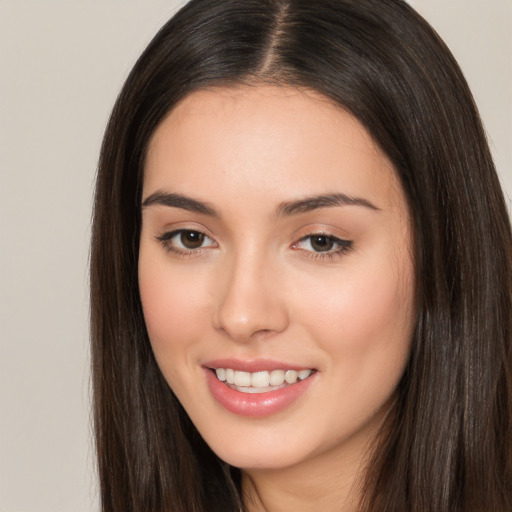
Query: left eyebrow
{"points": [[322, 201], [179, 201]]}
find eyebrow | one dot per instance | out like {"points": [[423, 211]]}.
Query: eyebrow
{"points": [[285, 209], [179, 201], [322, 201]]}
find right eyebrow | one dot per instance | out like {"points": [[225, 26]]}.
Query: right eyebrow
{"points": [[161, 198]]}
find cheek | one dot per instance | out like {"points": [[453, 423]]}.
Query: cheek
{"points": [[174, 307], [167, 309], [365, 320], [367, 331]]}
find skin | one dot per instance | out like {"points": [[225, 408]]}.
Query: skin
{"points": [[257, 288]]}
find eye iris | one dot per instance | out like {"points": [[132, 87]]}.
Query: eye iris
{"points": [[192, 239], [321, 243]]}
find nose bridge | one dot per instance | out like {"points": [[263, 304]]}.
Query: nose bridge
{"points": [[250, 303]]}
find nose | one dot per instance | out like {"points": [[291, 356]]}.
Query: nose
{"points": [[251, 301]]}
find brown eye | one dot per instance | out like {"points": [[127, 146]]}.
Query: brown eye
{"points": [[321, 243], [185, 241], [192, 239], [318, 245]]}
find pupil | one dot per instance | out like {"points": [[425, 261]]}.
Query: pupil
{"points": [[192, 239], [321, 243]]}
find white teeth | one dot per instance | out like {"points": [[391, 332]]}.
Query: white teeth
{"points": [[242, 379], [277, 377], [260, 382], [304, 374], [290, 376]]}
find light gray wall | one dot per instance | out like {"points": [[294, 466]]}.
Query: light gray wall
{"points": [[480, 36], [61, 66]]}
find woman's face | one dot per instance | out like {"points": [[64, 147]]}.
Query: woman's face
{"points": [[275, 252]]}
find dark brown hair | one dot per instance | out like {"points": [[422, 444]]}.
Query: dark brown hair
{"points": [[449, 444]]}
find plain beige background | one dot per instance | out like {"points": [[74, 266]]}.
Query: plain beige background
{"points": [[61, 66]]}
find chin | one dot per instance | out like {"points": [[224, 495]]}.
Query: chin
{"points": [[260, 458]]}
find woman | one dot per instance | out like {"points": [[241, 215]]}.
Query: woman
{"points": [[301, 270]]}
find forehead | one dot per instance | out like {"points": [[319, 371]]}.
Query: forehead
{"points": [[271, 139]]}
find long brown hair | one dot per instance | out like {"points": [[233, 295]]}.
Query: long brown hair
{"points": [[449, 444]]}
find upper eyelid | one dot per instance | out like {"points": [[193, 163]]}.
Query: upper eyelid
{"points": [[321, 228], [323, 233], [167, 235], [183, 226], [335, 239]]}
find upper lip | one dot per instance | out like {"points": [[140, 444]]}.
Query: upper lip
{"points": [[253, 365]]}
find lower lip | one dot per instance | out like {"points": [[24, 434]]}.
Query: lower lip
{"points": [[255, 404]]}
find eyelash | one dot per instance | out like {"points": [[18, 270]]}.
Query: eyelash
{"points": [[343, 246], [166, 241]]}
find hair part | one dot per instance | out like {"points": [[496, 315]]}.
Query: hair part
{"points": [[448, 444]]}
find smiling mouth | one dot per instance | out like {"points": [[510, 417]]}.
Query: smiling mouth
{"points": [[260, 382]]}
